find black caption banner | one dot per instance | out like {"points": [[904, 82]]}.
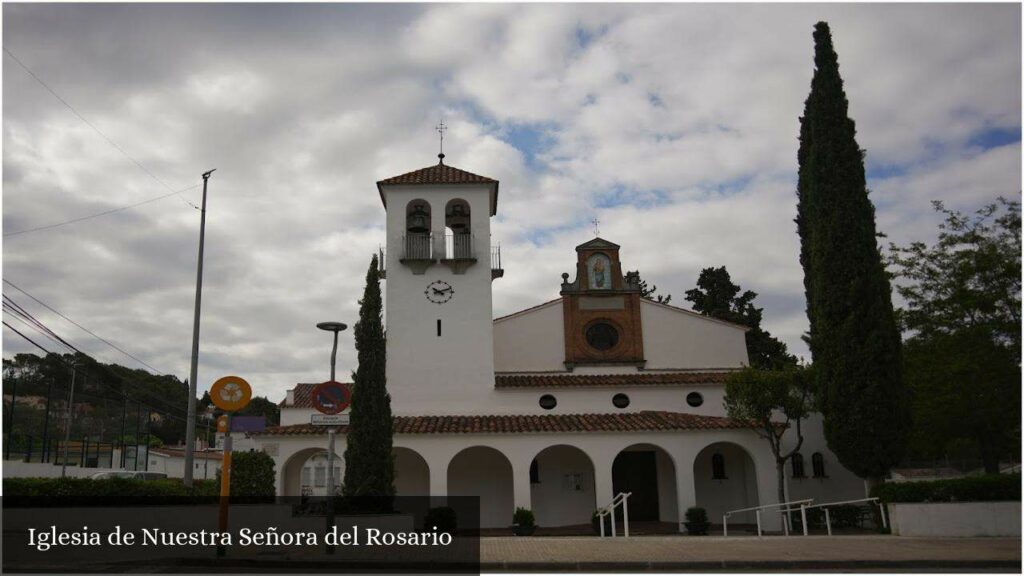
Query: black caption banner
{"points": [[174, 534]]}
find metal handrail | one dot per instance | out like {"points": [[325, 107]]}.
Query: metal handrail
{"points": [[757, 512], [828, 520], [620, 498]]}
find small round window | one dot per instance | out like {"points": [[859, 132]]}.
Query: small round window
{"points": [[548, 402], [620, 400], [602, 336], [694, 399]]}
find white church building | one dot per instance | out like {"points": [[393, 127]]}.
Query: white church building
{"points": [[558, 407]]}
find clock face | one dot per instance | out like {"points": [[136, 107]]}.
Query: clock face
{"points": [[439, 292]]}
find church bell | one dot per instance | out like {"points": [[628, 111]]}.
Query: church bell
{"points": [[418, 221], [458, 220]]}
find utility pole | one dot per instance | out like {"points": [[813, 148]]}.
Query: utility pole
{"points": [[190, 424], [67, 431]]}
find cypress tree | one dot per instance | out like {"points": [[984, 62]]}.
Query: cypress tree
{"points": [[369, 467], [854, 339]]}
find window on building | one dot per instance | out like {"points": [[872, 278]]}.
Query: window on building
{"points": [[717, 467], [798, 465], [694, 399], [320, 476], [818, 465], [548, 402], [602, 336], [306, 477], [534, 472], [620, 400]]}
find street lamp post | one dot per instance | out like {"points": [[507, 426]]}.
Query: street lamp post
{"points": [[334, 327]]}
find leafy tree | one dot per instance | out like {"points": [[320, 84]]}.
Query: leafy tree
{"points": [[650, 292], [970, 278], [854, 340], [261, 406], [966, 388], [716, 296], [757, 396], [963, 305], [369, 467]]}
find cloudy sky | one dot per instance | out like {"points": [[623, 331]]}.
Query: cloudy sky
{"points": [[675, 125]]}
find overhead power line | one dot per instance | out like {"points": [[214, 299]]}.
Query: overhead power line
{"points": [[97, 215], [93, 126], [93, 334]]}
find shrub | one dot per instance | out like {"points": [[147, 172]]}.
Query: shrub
{"points": [[125, 491], [990, 488], [697, 515], [441, 519], [523, 517], [252, 475], [697, 521]]}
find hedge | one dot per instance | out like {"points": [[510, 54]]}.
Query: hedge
{"points": [[252, 475], [991, 488], [87, 490]]}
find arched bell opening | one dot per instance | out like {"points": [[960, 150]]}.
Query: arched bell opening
{"points": [[417, 230], [458, 234]]}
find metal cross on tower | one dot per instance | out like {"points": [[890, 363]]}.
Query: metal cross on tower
{"points": [[596, 222], [441, 128]]}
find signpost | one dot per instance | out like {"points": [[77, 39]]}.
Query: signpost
{"points": [[230, 394], [330, 399]]}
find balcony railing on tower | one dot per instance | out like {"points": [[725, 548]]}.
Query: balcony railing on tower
{"points": [[459, 247], [417, 247]]}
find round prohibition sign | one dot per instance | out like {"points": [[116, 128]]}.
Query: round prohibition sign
{"points": [[331, 397], [230, 393]]}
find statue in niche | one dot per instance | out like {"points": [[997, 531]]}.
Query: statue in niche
{"points": [[599, 272]]}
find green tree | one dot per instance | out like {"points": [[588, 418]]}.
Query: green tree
{"points": [[369, 466], [759, 396], [962, 298], [261, 406], [966, 388], [716, 296], [854, 340], [969, 279], [651, 292]]}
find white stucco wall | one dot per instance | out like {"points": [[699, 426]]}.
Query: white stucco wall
{"points": [[531, 341], [957, 519], [838, 483], [676, 338], [598, 399]]}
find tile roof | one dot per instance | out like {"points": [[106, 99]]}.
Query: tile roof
{"points": [[645, 421], [303, 395], [589, 380], [437, 174]]}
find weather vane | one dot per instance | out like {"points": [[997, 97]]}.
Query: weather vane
{"points": [[596, 222], [441, 128]]}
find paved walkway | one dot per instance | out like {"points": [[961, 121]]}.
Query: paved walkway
{"points": [[707, 553]]}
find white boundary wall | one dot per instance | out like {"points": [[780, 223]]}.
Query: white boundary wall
{"points": [[956, 519]]}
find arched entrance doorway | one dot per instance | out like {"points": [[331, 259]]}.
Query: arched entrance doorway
{"points": [[562, 486], [647, 471], [305, 473], [725, 479], [412, 474], [484, 472]]}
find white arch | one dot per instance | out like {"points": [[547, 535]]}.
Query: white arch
{"points": [[485, 472]]}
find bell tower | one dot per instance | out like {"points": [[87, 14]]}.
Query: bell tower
{"points": [[439, 266]]}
